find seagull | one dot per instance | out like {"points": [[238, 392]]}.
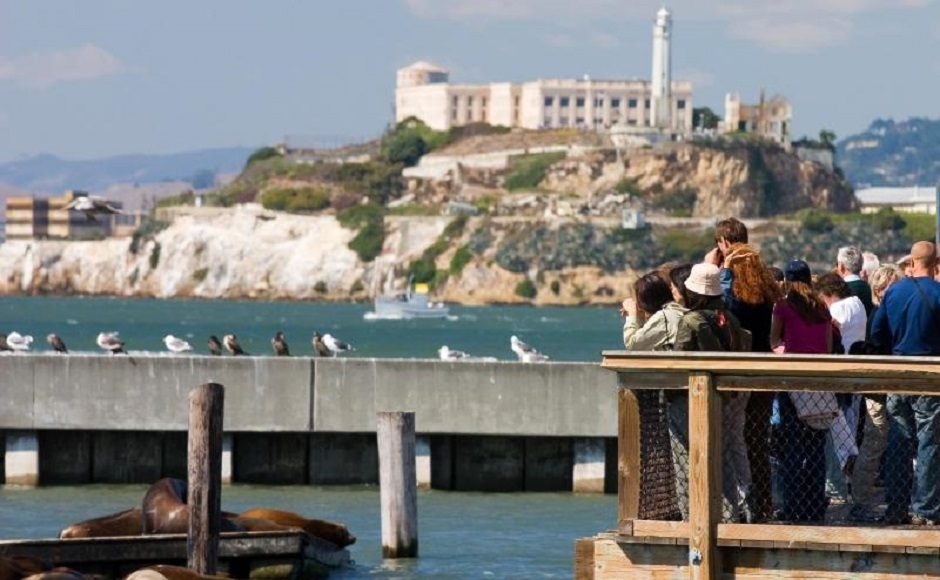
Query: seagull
{"points": [[448, 354], [327, 345], [3, 343], [17, 341], [231, 345], [319, 346], [280, 344], [215, 346], [176, 345], [92, 205], [56, 343], [525, 352], [111, 341]]}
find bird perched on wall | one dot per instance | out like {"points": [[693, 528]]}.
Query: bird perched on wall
{"points": [[280, 344], [57, 343], [327, 345], [525, 352], [19, 342], [92, 205], [231, 345], [215, 346], [3, 343], [176, 345], [111, 342], [449, 354]]}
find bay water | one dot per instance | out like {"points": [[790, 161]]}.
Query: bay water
{"points": [[564, 334]]}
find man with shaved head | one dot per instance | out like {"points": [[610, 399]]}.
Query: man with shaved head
{"points": [[908, 322]]}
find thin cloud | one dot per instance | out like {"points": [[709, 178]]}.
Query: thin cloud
{"points": [[794, 26], [700, 79], [45, 69]]}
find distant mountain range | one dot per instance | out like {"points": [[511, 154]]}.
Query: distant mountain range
{"points": [[892, 153], [48, 174]]}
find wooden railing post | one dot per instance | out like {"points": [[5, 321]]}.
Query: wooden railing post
{"points": [[705, 457], [205, 477], [628, 460]]}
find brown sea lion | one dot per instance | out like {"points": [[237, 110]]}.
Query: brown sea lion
{"points": [[165, 510], [165, 572], [18, 567], [124, 523], [57, 574], [332, 532]]}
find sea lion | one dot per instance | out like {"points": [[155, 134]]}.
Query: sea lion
{"points": [[18, 567], [330, 531], [166, 572], [124, 523], [165, 509]]}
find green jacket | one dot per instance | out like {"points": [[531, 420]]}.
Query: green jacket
{"points": [[712, 329], [658, 332]]}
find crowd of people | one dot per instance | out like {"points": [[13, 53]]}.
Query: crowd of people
{"points": [[786, 454]]}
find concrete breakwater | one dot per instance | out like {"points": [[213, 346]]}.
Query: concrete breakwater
{"points": [[499, 426]]}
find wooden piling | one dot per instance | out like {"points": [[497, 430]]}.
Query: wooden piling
{"points": [[398, 484], [205, 477]]}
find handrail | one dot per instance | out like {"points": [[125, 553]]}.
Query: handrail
{"points": [[706, 374]]}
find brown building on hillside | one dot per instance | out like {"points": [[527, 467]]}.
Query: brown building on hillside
{"points": [[39, 218]]}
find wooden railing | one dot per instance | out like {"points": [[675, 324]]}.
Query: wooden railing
{"points": [[705, 376]]}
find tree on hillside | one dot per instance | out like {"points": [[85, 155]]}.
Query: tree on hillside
{"points": [[262, 154], [828, 139], [405, 147], [704, 118]]}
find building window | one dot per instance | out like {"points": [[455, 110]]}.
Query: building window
{"points": [[599, 103], [563, 121], [549, 101], [456, 101], [453, 115], [631, 103], [615, 103], [579, 102], [469, 102], [680, 104], [517, 101], [646, 104], [564, 101], [547, 122], [483, 102], [579, 122]]}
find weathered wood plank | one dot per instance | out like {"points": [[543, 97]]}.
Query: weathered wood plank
{"points": [[841, 384], [618, 560], [398, 487], [831, 535], [751, 564], [704, 476], [584, 559], [162, 547], [204, 495], [660, 529], [628, 456]]}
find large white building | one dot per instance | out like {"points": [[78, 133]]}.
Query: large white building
{"points": [[423, 90]]}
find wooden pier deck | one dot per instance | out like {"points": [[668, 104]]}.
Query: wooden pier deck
{"points": [[704, 548], [241, 554]]}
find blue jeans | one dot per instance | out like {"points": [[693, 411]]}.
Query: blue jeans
{"points": [[913, 418]]}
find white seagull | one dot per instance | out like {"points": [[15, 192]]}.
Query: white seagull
{"points": [[336, 346], [18, 341], [111, 341], [448, 354], [176, 345], [525, 352], [92, 205]]}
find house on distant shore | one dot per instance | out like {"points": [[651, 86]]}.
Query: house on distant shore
{"points": [[917, 199], [769, 118], [39, 218]]}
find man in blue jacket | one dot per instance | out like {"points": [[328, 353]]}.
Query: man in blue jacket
{"points": [[908, 322]]}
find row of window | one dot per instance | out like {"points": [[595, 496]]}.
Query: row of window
{"points": [[470, 101], [579, 122], [564, 102]]}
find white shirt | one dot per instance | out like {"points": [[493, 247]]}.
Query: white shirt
{"points": [[850, 314]]}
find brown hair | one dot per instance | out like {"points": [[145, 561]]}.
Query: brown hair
{"points": [[652, 292], [832, 284], [806, 302], [732, 230], [752, 282]]}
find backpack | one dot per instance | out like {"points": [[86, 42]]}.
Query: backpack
{"points": [[718, 330]]}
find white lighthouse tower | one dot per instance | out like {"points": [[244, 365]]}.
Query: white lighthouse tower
{"points": [[661, 100]]}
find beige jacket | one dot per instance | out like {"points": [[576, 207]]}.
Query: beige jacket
{"points": [[659, 331]]}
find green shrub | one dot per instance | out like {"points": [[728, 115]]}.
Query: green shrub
{"points": [[146, 231], [629, 187], [555, 287], [886, 219], [920, 226], [369, 241], [678, 203], [296, 200], [357, 287], [455, 228], [155, 256], [320, 287], [684, 245], [184, 199], [817, 221], [423, 270], [528, 171], [485, 203], [200, 274], [260, 155], [526, 289], [405, 147], [461, 258]]}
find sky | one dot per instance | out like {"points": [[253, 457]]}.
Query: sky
{"points": [[84, 79]]}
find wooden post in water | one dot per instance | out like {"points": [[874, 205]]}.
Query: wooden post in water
{"points": [[398, 484], [205, 477]]}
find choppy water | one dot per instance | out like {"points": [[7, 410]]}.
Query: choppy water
{"points": [[569, 334], [461, 535]]}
